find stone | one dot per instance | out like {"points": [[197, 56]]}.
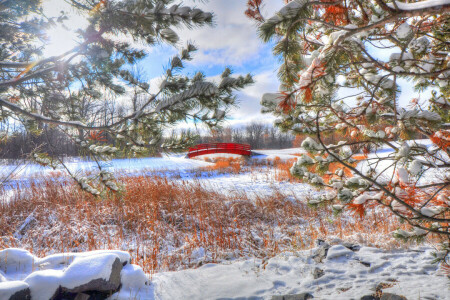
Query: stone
{"points": [[365, 264], [368, 297], [321, 252], [389, 296], [82, 296], [98, 284], [302, 296], [351, 246], [317, 273], [44, 284], [338, 251], [21, 295], [14, 290]]}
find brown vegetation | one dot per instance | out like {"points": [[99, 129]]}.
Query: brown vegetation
{"points": [[166, 225]]}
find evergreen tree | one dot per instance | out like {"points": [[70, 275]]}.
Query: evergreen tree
{"points": [[334, 80], [61, 92]]}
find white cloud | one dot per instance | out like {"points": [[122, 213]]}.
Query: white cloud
{"points": [[249, 99], [234, 38]]}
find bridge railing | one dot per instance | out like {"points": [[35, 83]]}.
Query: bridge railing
{"points": [[211, 148]]}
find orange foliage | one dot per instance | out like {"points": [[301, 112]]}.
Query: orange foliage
{"points": [[357, 209], [336, 14], [227, 165], [297, 142], [441, 138], [96, 135], [253, 10], [288, 103]]}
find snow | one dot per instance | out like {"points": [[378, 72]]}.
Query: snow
{"points": [[43, 284], [168, 163], [133, 277], [134, 282], [9, 288], [45, 275], [99, 266], [403, 31], [419, 5], [339, 251], [410, 272], [64, 259], [16, 260]]}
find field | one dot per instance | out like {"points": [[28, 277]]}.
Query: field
{"points": [[177, 214]]}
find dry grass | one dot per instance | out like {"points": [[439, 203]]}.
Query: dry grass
{"points": [[166, 225], [225, 165]]}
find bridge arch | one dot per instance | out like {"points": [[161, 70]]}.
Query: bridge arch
{"points": [[211, 148]]}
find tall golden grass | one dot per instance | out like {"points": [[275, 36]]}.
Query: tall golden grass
{"points": [[163, 223]]}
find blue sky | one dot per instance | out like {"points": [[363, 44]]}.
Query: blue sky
{"points": [[232, 42]]}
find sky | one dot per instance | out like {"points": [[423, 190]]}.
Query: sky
{"points": [[232, 42]]}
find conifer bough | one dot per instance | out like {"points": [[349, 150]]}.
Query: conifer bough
{"points": [[68, 91], [341, 63]]}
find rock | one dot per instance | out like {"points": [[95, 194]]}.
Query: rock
{"points": [[317, 273], [321, 252], [365, 264], [82, 296], [44, 284], [368, 297], [302, 296], [351, 246], [338, 251], [389, 296], [14, 290], [320, 242], [99, 273]]}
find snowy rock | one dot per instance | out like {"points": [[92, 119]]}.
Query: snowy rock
{"points": [[14, 290], [351, 246], [302, 296], [317, 273], [368, 297], [321, 253], [82, 296], [338, 251], [94, 273], [389, 296], [44, 285]]}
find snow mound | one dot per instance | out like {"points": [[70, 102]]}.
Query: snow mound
{"points": [[52, 276], [10, 288]]}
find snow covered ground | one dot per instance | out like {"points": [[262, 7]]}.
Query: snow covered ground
{"points": [[347, 274], [408, 273], [341, 274]]}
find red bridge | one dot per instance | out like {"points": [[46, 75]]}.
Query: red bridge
{"points": [[233, 148]]}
